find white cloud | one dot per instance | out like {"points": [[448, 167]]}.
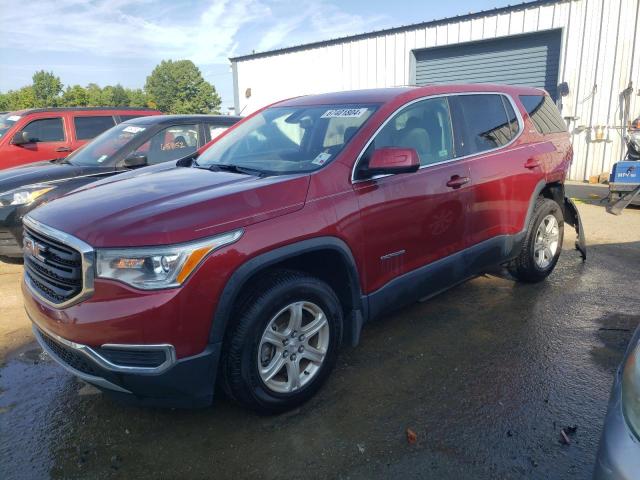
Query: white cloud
{"points": [[314, 21], [127, 28], [147, 29]]}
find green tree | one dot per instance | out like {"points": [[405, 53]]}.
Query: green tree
{"points": [[94, 95], [178, 87], [19, 99], [46, 88], [107, 97], [120, 97], [137, 97], [75, 96], [4, 102]]}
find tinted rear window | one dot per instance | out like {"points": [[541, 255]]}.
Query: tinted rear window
{"points": [[480, 123], [90, 127], [543, 113]]}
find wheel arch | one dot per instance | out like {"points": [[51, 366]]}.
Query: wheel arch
{"points": [[316, 256]]}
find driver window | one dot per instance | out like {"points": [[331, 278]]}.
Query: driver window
{"points": [[171, 143], [424, 126]]}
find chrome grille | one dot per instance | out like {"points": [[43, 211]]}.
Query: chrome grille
{"points": [[53, 269]]}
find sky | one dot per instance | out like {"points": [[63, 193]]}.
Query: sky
{"points": [[121, 41]]}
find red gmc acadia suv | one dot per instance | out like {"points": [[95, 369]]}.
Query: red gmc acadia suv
{"points": [[249, 265]]}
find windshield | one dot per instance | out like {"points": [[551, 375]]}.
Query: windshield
{"points": [[101, 149], [283, 140], [6, 122]]}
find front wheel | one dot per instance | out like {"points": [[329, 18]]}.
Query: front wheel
{"points": [[542, 244], [284, 344]]}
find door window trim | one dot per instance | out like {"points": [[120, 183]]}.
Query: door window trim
{"points": [[455, 159]]}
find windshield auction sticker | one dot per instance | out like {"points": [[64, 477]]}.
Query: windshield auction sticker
{"points": [[321, 159], [13, 118], [344, 113], [132, 129]]}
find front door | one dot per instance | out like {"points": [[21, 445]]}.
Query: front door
{"points": [[413, 220], [47, 140]]}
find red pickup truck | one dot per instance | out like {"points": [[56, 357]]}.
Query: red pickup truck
{"points": [[28, 136], [250, 264]]}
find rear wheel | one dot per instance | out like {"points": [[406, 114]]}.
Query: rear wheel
{"points": [[284, 344], [542, 243]]}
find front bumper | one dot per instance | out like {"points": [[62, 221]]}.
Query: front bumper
{"points": [[188, 382]]}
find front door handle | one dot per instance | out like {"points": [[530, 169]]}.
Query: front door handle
{"points": [[531, 163], [457, 181], [64, 149]]}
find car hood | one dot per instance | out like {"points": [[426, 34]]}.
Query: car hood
{"points": [[45, 172], [171, 206]]}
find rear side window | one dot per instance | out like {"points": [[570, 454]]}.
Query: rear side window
{"points": [[480, 123], [90, 127], [45, 130], [544, 113]]}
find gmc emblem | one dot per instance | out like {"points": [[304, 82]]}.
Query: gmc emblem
{"points": [[34, 248]]}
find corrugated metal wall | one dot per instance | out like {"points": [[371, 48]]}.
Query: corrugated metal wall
{"points": [[599, 57], [532, 59]]}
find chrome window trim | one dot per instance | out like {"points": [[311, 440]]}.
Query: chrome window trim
{"points": [[446, 95], [91, 354], [87, 255]]}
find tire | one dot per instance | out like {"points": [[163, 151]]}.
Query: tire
{"points": [[253, 351], [529, 266]]}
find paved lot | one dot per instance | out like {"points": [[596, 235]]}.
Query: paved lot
{"points": [[486, 375]]}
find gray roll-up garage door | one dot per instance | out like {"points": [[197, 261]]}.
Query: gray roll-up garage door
{"points": [[531, 60]]}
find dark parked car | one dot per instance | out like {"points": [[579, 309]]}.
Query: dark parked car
{"points": [[134, 143], [37, 134], [619, 453], [299, 225]]}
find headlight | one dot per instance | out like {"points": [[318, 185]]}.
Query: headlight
{"points": [[631, 390], [151, 268], [23, 195]]}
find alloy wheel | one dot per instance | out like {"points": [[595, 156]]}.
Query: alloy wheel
{"points": [[293, 347]]}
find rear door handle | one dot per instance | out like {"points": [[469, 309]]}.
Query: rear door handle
{"points": [[531, 163], [64, 149], [457, 181]]}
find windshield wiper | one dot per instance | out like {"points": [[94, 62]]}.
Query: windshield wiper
{"points": [[227, 167]]}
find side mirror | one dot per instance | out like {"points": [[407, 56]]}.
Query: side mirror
{"points": [[135, 160], [20, 138], [389, 160]]}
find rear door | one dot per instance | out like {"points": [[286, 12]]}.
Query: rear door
{"points": [[48, 139], [487, 130]]}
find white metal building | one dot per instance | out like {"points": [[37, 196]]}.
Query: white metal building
{"points": [[592, 45]]}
